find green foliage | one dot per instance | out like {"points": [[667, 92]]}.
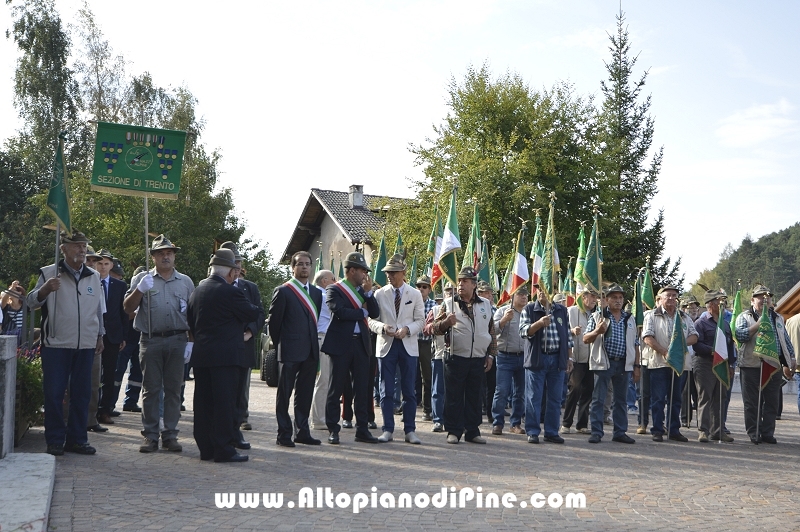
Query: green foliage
{"points": [[773, 260], [51, 97], [29, 381], [628, 174], [508, 147]]}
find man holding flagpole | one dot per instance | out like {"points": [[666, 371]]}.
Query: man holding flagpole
{"points": [[709, 387], [756, 328], [72, 334], [657, 333]]}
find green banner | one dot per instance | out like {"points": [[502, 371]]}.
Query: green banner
{"points": [[138, 161]]}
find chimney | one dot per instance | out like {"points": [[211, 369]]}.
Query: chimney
{"points": [[356, 196]]}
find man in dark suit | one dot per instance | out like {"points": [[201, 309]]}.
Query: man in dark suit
{"points": [[348, 344], [251, 331], [216, 314], [293, 316], [116, 323]]}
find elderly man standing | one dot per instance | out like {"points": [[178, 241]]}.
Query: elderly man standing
{"points": [[708, 386], [467, 319], [614, 354], [747, 325], [293, 318], [322, 280], [161, 318], [581, 380], [510, 373], [548, 354], [402, 316], [217, 315], [251, 331], [72, 334], [657, 332]]}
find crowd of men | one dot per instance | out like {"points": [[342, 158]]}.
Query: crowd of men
{"points": [[349, 347]]}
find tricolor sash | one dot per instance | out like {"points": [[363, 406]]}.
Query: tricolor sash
{"points": [[356, 299], [304, 297]]}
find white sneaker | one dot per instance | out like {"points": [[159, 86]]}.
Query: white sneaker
{"points": [[386, 436], [564, 430], [411, 437]]}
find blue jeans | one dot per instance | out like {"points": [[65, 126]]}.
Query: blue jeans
{"points": [[797, 380], [632, 395], [398, 357], [62, 368], [129, 355], [619, 378], [510, 381], [660, 381], [437, 390], [534, 384]]}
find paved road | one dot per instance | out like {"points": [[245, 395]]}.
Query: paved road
{"points": [[654, 486]]}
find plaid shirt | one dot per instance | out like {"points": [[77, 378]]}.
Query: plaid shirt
{"points": [[550, 342], [429, 304], [615, 341]]}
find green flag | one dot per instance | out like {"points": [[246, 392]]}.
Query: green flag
{"points": [[494, 281], [378, 275], [647, 294], [451, 242], [766, 344], [413, 278], [735, 311], [676, 353], [593, 264], [58, 196], [484, 274], [550, 263], [472, 254], [341, 267], [580, 261], [332, 265], [638, 305], [399, 247]]}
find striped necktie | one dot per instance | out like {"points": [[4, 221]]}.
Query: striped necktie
{"points": [[396, 301]]}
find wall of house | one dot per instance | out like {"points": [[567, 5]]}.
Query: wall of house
{"points": [[334, 241]]}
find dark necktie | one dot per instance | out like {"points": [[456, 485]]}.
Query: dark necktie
{"points": [[305, 287], [396, 301], [105, 288]]}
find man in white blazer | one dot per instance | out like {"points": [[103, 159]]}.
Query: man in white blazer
{"points": [[402, 316]]}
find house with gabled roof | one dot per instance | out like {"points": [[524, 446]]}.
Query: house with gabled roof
{"points": [[337, 223]]}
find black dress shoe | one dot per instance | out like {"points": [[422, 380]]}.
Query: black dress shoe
{"points": [[769, 439], [372, 425], [183, 409], [658, 437], [284, 442], [241, 444], [755, 440], [115, 413], [346, 424], [235, 458], [134, 408], [307, 440], [678, 437], [79, 448], [366, 437], [623, 439], [97, 428], [334, 438], [554, 439], [206, 458]]}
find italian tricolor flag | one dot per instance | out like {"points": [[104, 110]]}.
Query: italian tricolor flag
{"points": [[720, 364]]}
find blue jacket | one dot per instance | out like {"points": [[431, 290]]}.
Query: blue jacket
{"points": [[533, 346]]}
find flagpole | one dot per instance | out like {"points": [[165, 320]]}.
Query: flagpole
{"points": [[52, 322], [721, 405], [758, 409], [669, 406]]}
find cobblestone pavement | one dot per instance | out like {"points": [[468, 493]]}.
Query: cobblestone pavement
{"points": [[648, 485]]}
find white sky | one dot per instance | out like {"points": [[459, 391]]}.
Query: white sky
{"points": [[328, 94]]}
